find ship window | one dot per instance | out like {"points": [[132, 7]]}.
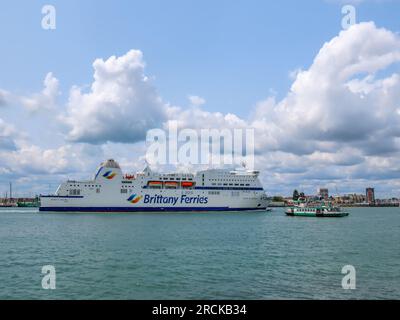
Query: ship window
{"points": [[98, 190], [124, 191]]}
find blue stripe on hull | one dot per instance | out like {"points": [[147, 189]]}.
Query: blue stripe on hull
{"points": [[143, 209]]}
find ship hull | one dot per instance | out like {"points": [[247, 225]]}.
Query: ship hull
{"points": [[147, 209], [317, 215], [168, 202]]}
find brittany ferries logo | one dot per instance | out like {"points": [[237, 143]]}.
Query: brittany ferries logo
{"points": [[109, 175], [134, 199]]}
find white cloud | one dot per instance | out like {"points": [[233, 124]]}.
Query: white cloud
{"points": [[121, 105], [7, 136], [196, 101], [330, 105], [4, 97], [294, 73], [45, 100], [339, 121]]}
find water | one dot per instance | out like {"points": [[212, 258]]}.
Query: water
{"points": [[199, 255]]}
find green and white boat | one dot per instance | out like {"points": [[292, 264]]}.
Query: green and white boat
{"points": [[320, 211]]}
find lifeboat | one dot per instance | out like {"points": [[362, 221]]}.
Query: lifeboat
{"points": [[155, 184], [187, 184], [129, 177], [171, 184]]}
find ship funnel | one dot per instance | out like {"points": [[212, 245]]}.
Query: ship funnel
{"points": [[108, 170]]}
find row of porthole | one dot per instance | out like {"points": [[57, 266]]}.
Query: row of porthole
{"points": [[87, 186]]}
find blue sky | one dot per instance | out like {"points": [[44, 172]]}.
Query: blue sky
{"points": [[234, 54], [209, 48]]}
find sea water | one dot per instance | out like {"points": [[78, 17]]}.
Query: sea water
{"points": [[254, 255]]}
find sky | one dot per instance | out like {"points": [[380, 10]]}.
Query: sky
{"points": [[323, 101]]}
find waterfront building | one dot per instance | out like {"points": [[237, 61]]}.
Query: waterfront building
{"points": [[370, 195], [323, 193]]}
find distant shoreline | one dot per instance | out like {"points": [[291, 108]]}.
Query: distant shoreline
{"points": [[396, 205]]}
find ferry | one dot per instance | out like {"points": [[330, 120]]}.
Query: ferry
{"points": [[147, 191], [321, 211]]}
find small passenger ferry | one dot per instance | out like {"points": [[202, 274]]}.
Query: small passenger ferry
{"points": [[319, 210]]}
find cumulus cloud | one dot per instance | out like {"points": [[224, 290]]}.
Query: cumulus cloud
{"points": [[45, 100], [337, 102], [120, 106], [7, 136], [37, 160], [197, 118], [4, 96], [196, 101], [340, 120]]}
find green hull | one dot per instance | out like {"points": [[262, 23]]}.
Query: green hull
{"points": [[27, 204], [318, 215]]}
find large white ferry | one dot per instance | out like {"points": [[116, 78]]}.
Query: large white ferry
{"points": [[112, 191]]}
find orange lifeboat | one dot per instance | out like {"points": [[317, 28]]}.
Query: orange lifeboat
{"points": [[187, 184], [171, 184], [155, 184]]}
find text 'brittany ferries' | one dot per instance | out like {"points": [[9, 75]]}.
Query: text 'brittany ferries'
{"points": [[159, 199]]}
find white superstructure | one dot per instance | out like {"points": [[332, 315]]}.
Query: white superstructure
{"points": [[112, 191]]}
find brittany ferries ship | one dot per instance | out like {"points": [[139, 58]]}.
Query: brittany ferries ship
{"points": [[112, 191]]}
